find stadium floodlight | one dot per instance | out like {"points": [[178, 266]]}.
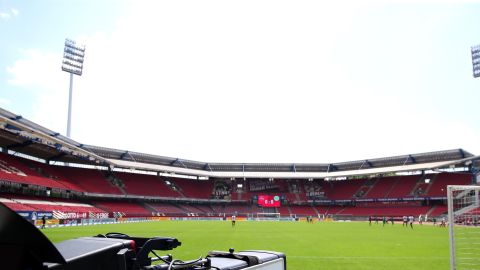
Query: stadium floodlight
{"points": [[73, 56], [476, 61]]}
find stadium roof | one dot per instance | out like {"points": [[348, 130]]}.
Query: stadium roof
{"points": [[23, 136]]}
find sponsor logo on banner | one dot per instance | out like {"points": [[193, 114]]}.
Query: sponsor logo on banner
{"points": [[35, 215], [68, 215], [78, 215], [50, 222], [93, 215]]}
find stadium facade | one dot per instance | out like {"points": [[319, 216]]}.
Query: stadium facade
{"points": [[42, 170]]}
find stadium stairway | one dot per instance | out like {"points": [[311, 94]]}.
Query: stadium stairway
{"points": [[420, 184], [433, 177], [364, 189], [182, 195], [428, 186], [218, 208], [167, 208], [148, 207], [188, 209], [101, 207], [383, 187], [116, 182], [205, 209], [438, 210], [432, 210], [393, 187]]}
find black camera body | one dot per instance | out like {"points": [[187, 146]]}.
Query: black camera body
{"points": [[26, 248]]}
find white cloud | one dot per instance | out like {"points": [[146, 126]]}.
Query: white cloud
{"points": [[4, 16], [4, 102], [39, 74], [269, 81], [36, 69], [7, 15]]}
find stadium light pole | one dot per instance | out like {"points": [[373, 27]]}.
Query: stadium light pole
{"points": [[73, 56], [476, 61]]}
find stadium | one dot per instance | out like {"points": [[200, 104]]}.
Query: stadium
{"points": [[227, 135], [94, 180], [45, 174]]}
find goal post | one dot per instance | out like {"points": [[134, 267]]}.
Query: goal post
{"points": [[268, 216], [463, 226]]}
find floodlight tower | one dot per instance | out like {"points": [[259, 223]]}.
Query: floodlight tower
{"points": [[476, 61], [73, 56]]}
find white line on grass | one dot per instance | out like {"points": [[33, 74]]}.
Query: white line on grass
{"points": [[366, 258]]}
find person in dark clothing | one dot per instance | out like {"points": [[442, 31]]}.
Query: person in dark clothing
{"points": [[43, 222]]}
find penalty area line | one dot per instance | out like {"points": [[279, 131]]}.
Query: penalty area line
{"points": [[365, 258]]}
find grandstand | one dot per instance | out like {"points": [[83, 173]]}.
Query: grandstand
{"points": [[41, 170]]}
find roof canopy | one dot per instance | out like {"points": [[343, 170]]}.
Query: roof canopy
{"points": [[21, 135]]}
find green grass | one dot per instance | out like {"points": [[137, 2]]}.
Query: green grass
{"points": [[326, 245]]}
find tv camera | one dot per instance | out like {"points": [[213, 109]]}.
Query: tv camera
{"points": [[24, 247]]}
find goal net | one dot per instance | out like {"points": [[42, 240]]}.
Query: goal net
{"points": [[463, 221], [267, 216]]}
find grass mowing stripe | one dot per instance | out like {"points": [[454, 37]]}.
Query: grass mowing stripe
{"points": [[352, 245]]}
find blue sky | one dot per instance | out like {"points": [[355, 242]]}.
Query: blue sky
{"points": [[249, 81]]}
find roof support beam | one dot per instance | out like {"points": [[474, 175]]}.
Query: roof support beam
{"points": [[207, 167], [366, 162], [62, 154], [409, 157], [331, 168], [122, 156], [19, 145], [179, 161], [294, 168]]}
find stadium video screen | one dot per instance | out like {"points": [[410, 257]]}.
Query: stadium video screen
{"points": [[269, 201]]}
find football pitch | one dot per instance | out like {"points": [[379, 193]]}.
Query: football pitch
{"points": [[322, 245]]}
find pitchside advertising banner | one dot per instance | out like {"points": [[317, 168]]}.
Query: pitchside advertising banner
{"points": [[34, 215], [73, 215], [333, 202], [37, 215]]}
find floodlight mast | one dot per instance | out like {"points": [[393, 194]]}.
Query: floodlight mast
{"points": [[476, 61], [73, 56]]}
